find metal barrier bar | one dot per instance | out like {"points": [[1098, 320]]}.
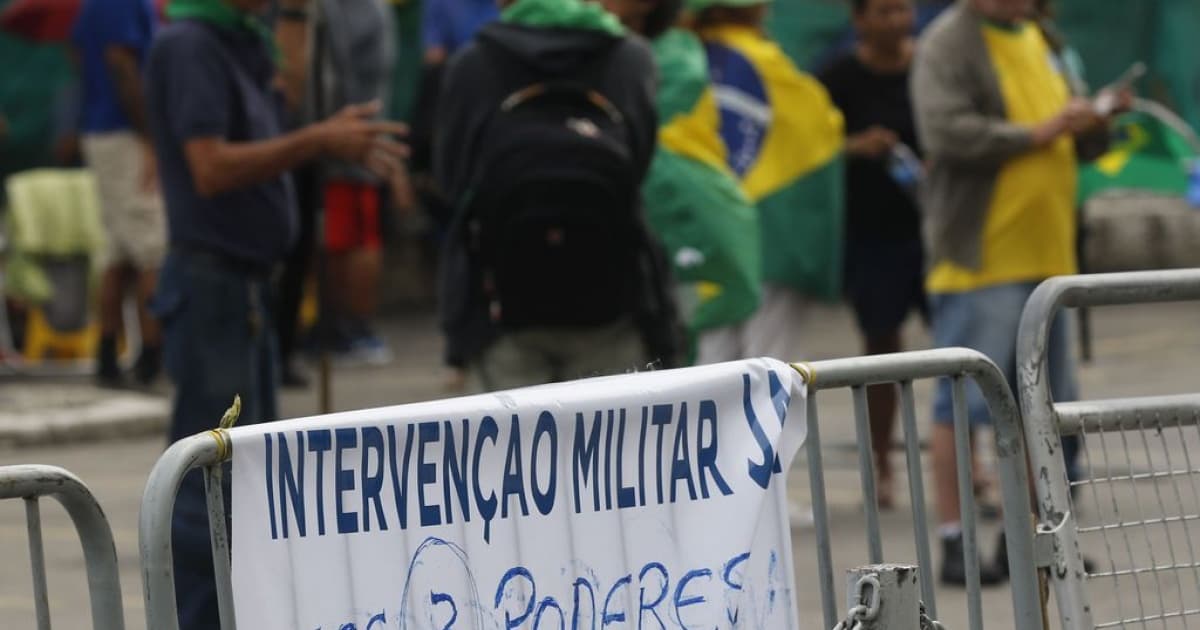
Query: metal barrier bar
{"points": [[154, 524], [916, 489], [209, 450], [37, 562], [866, 470], [960, 364], [100, 554], [215, 496], [820, 507], [1046, 420], [966, 503], [1122, 414]]}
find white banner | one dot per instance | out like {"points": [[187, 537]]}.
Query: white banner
{"points": [[653, 500]]}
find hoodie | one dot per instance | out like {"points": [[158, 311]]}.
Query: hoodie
{"points": [[618, 66]]}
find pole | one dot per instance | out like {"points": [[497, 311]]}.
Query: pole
{"points": [[316, 107]]}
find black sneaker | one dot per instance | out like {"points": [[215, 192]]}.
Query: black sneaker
{"points": [[108, 370], [1000, 564], [148, 365], [293, 376], [954, 566]]}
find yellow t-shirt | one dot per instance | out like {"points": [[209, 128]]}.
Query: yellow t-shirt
{"points": [[1029, 233]]}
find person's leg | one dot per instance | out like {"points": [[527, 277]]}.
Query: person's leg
{"points": [[109, 159], [212, 338], [1064, 385], [149, 362], [293, 279], [140, 229], [112, 281], [719, 345], [881, 400], [512, 361], [363, 268], [985, 320], [340, 240], [603, 351], [774, 330]]}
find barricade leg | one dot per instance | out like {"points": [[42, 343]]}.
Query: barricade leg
{"points": [[29, 482]]}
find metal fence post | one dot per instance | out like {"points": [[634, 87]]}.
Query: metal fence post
{"points": [[154, 523], [95, 536], [891, 592], [1046, 421]]}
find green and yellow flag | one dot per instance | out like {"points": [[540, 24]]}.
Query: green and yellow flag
{"points": [[784, 141], [1148, 155], [693, 202]]}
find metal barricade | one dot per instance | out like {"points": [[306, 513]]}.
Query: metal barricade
{"points": [[1139, 499], [29, 483], [902, 369], [208, 451]]}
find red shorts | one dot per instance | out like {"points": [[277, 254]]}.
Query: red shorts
{"points": [[351, 216]]}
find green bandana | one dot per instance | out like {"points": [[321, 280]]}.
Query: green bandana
{"points": [[575, 14], [223, 15]]}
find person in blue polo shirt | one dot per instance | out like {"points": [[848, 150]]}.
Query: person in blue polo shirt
{"points": [[223, 158], [110, 38]]}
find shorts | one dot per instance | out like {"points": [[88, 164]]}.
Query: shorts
{"points": [[884, 283], [987, 320], [135, 221], [351, 216]]}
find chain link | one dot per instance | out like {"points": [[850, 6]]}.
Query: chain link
{"points": [[853, 620], [927, 623], [868, 608]]}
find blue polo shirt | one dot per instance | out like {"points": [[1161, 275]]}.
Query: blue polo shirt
{"points": [[203, 81], [100, 25]]}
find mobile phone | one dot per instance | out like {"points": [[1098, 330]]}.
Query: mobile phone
{"points": [[1106, 101]]}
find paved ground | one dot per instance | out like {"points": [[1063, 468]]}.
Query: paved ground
{"points": [[1140, 350]]}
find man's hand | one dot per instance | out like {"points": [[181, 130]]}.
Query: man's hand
{"points": [[352, 135], [873, 143], [1073, 118]]}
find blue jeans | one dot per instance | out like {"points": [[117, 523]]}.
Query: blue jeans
{"points": [[987, 320], [217, 343]]}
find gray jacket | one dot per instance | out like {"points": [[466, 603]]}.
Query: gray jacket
{"points": [[964, 129]]}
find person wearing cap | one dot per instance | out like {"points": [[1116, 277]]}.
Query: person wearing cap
{"points": [[998, 122]]}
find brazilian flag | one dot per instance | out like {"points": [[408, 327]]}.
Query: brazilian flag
{"points": [[784, 140], [1149, 154], [693, 202]]}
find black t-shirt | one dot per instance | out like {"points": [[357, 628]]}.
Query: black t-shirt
{"points": [[877, 207]]}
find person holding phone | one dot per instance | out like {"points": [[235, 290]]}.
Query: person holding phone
{"points": [[999, 122]]}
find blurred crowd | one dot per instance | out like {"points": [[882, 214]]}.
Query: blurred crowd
{"points": [[615, 185]]}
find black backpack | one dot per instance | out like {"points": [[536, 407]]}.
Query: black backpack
{"points": [[552, 217]]}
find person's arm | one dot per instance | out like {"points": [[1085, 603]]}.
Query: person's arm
{"points": [[125, 72], [219, 166], [291, 32], [951, 126], [434, 23]]}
